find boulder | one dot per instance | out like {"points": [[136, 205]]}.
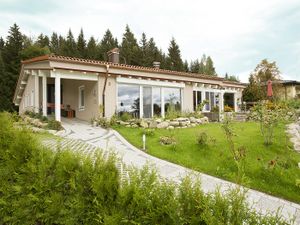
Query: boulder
{"points": [[184, 123], [170, 128], [174, 123], [193, 125], [199, 121], [204, 119], [143, 124], [182, 119], [52, 131], [152, 124], [193, 119], [128, 125], [37, 123], [158, 120], [163, 125], [124, 123], [134, 126]]}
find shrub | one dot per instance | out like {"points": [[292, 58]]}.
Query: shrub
{"points": [[54, 125], [228, 108], [202, 138], [148, 132], [103, 122], [167, 140], [125, 116]]}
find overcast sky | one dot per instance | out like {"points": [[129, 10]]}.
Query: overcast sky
{"points": [[236, 34]]}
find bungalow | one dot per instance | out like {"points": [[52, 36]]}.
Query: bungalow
{"points": [[77, 87]]}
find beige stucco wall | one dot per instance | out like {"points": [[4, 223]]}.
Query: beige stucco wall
{"points": [[187, 92], [287, 92], [71, 97], [110, 97], [27, 94]]}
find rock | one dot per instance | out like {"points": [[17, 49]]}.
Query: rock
{"points": [[127, 125], [170, 128], [124, 123], [60, 133], [299, 165], [163, 125], [37, 123], [152, 124], [51, 131], [174, 123], [192, 119], [193, 125], [204, 119], [199, 121], [134, 126], [158, 120], [181, 119], [143, 124], [184, 123]]}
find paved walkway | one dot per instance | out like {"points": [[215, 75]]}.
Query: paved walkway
{"points": [[80, 136]]}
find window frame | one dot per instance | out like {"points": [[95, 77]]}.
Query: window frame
{"points": [[80, 106]]}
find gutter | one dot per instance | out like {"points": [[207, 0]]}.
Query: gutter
{"points": [[104, 88]]}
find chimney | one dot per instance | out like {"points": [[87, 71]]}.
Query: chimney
{"points": [[156, 65], [113, 55]]}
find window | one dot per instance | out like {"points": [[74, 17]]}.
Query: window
{"points": [[156, 96], [197, 99], [81, 98], [172, 97], [128, 100]]}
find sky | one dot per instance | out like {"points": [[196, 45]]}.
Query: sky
{"points": [[236, 34]]}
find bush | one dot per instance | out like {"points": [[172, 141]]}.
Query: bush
{"points": [[103, 122], [148, 132], [125, 116], [228, 108], [39, 186], [202, 138], [54, 125], [167, 140]]}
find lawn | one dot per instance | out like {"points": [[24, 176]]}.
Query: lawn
{"points": [[271, 169]]}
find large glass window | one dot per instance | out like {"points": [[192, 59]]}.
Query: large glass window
{"points": [[128, 99], [172, 97], [197, 99], [156, 92]]}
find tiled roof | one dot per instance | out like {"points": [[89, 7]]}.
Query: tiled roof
{"points": [[58, 58]]}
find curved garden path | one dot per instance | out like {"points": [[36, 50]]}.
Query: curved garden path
{"points": [[80, 136]]}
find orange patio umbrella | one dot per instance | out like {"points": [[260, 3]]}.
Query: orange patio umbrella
{"points": [[269, 89]]}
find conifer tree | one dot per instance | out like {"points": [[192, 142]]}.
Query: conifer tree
{"points": [[107, 43], [186, 66], [209, 67], [174, 57], [81, 45], [12, 60], [195, 66], [43, 41], [144, 50], [70, 47], [130, 51], [2, 43], [54, 43], [92, 50], [202, 64]]}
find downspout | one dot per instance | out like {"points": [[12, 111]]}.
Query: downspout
{"points": [[104, 88]]}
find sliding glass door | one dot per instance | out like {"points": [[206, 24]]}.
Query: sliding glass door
{"points": [[147, 102]]}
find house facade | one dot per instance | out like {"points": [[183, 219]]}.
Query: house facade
{"points": [[289, 89], [58, 85]]}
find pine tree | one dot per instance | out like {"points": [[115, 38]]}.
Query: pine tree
{"points": [[70, 48], [4, 89], [2, 43], [174, 57], [54, 43], [107, 43], [43, 41], [61, 45], [81, 45], [92, 50], [226, 76], [12, 60], [209, 67], [195, 66], [130, 51], [144, 50], [186, 66], [202, 64]]}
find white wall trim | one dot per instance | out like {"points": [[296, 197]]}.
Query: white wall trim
{"points": [[75, 75], [81, 107], [149, 82]]}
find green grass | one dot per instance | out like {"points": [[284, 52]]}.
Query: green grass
{"points": [[216, 160]]}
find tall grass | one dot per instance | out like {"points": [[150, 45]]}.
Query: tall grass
{"points": [[38, 186]]}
